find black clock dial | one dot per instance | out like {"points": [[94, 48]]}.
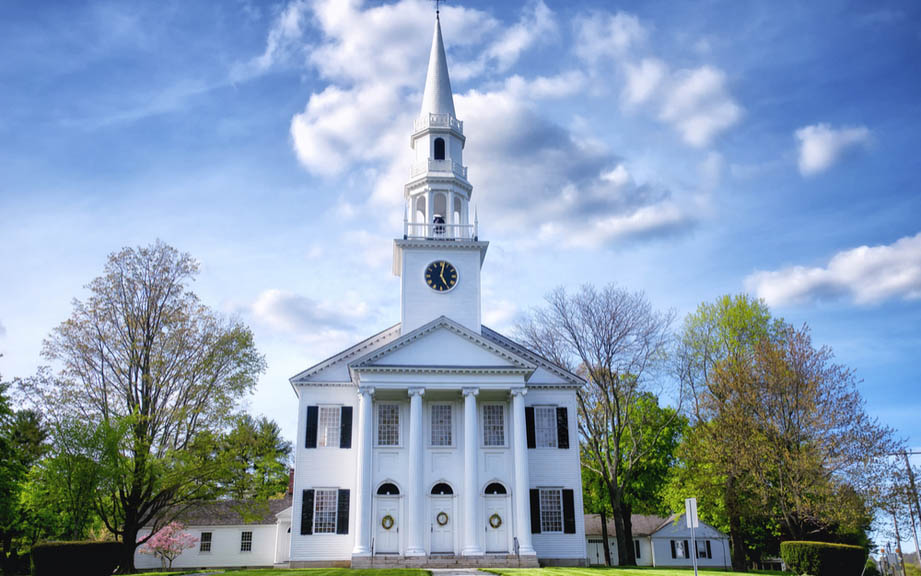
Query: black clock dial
{"points": [[441, 276]]}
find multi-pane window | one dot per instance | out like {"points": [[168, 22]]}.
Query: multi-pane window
{"points": [[493, 425], [324, 511], [388, 424], [441, 425], [328, 429], [545, 426], [205, 542], [246, 542], [551, 510]]}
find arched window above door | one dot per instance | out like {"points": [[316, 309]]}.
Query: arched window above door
{"points": [[439, 149], [388, 489], [495, 488], [441, 489]]}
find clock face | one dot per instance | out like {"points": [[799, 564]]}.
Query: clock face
{"points": [[441, 276]]}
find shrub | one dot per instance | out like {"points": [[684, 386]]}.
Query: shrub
{"points": [[86, 558], [823, 559]]}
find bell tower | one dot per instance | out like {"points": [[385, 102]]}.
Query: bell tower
{"points": [[440, 254]]}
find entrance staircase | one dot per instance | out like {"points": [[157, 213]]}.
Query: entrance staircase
{"points": [[445, 561]]}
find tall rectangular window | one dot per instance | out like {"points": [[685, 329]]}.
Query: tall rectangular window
{"points": [[328, 429], [441, 425], [551, 510], [388, 424], [246, 542], [493, 425], [205, 542], [324, 511], [545, 426]]}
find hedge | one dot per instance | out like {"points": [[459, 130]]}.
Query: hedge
{"points": [[823, 559], [85, 558]]}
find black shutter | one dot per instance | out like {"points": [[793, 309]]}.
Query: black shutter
{"points": [[313, 413], [307, 512], [342, 515], [562, 427], [636, 547], [345, 427], [687, 549], [672, 542], [529, 424], [709, 551], [535, 508], [569, 512]]}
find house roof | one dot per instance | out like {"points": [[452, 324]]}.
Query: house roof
{"points": [[642, 524], [233, 512]]}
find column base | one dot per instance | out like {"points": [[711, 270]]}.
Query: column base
{"points": [[361, 551], [472, 551], [414, 552], [526, 551]]}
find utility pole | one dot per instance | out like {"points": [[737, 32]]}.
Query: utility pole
{"points": [[913, 506], [898, 542]]}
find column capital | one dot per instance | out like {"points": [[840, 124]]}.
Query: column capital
{"points": [[369, 390], [518, 391], [416, 392], [470, 391]]}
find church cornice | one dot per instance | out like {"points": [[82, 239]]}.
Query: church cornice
{"points": [[417, 369], [362, 347]]}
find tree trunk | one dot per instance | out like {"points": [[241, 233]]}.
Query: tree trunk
{"points": [[604, 538], [129, 545], [736, 539], [628, 534], [617, 509]]}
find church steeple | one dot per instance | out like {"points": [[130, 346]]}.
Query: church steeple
{"points": [[437, 98]]}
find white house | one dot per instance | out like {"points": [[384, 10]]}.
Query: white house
{"points": [[437, 441], [661, 541]]}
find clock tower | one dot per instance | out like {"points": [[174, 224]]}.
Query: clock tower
{"points": [[440, 254]]}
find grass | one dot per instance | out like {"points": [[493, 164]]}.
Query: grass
{"points": [[602, 571], [300, 572]]}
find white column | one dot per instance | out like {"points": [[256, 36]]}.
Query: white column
{"points": [[416, 544], [522, 481], [364, 443], [471, 478]]}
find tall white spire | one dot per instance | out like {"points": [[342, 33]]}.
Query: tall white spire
{"points": [[437, 98]]}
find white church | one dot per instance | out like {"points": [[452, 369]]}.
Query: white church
{"points": [[437, 441]]}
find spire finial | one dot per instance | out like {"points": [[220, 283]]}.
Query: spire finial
{"points": [[437, 7]]}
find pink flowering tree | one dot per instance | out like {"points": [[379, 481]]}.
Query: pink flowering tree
{"points": [[169, 542]]}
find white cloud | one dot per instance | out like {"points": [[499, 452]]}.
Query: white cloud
{"points": [[604, 35], [698, 105], [821, 146], [642, 80], [538, 24], [283, 42], [297, 314], [866, 275], [710, 171], [2, 330]]}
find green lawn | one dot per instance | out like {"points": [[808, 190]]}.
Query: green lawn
{"points": [[303, 572], [614, 572]]}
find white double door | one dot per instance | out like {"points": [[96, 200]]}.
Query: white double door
{"points": [[442, 524], [387, 533], [496, 513]]}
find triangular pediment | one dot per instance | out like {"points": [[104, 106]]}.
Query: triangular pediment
{"points": [[443, 344]]}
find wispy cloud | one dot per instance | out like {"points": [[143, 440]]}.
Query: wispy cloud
{"points": [[864, 275], [298, 314], [821, 146]]}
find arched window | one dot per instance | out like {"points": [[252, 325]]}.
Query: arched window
{"points": [[495, 488], [457, 211], [441, 488], [388, 489], [439, 148], [420, 210]]}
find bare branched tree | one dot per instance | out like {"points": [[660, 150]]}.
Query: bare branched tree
{"points": [[619, 343]]}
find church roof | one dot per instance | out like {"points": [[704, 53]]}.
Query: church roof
{"points": [[233, 512], [437, 98], [542, 362]]}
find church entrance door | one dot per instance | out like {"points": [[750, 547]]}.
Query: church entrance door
{"points": [[496, 524], [442, 525], [387, 533]]}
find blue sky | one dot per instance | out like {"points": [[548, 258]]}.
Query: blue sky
{"points": [[684, 149]]}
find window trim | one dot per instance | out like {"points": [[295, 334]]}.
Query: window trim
{"points": [[201, 542], [377, 425], [540, 502], [321, 434], [482, 426], [243, 541], [316, 502], [556, 426], [431, 427]]}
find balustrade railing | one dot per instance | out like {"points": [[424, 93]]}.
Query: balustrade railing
{"points": [[436, 231], [438, 121], [430, 165]]}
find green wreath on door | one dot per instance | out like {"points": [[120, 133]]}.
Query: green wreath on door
{"points": [[495, 520], [387, 522]]}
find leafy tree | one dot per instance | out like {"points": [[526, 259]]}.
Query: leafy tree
{"points": [[159, 374], [617, 341], [255, 459]]}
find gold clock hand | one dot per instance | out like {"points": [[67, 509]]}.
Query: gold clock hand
{"points": [[443, 274]]}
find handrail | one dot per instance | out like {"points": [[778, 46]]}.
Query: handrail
{"points": [[438, 121], [439, 231], [430, 165]]}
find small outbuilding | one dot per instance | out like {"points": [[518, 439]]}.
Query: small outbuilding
{"points": [[659, 541]]}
